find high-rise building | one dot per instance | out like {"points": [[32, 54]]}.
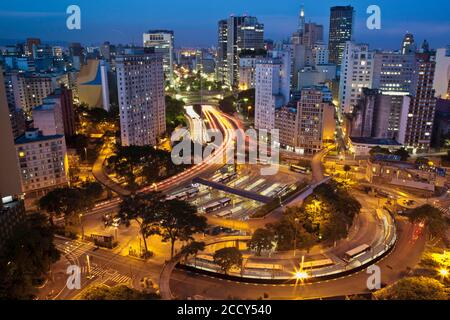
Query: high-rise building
{"points": [[244, 33], [356, 74], [163, 42], [9, 168], [380, 116], [408, 44], [272, 88], [423, 105], [287, 125], [247, 72], [63, 96], [316, 119], [31, 46], [140, 82], [222, 47], [48, 118], [30, 89], [341, 31], [441, 83], [43, 162], [394, 73], [320, 53]]}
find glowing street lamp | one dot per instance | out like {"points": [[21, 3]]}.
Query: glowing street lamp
{"points": [[443, 273]]}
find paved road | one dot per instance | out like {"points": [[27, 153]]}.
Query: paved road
{"points": [[106, 267], [405, 255]]}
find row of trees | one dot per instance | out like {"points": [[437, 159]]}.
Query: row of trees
{"points": [[26, 258], [414, 288], [70, 201], [173, 220], [120, 292], [325, 216], [142, 165]]}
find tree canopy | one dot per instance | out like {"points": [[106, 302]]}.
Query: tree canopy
{"points": [[435, 221], [120, 292], [262, 239], [414, 288], [26, 257], [227, 258]]}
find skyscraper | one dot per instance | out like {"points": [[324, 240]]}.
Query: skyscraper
{"points": [[408, 44], [272, 86], [423, 105], [9, 168], [341, 31], [442, 74], [222, 58], [316, 119], [356, 74], [140, 82], [163, 42], [244, 33], [394, 73]]}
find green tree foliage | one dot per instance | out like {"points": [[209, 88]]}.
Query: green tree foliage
{"points": [[145, 210], [145, 162], [192, 249], [227, 258], [179, 221], [70, 201], [414, 288], [262, 239], [174, 113], [120, 292], [435, 221], [326, 215], [26, 257], [244, 99]]}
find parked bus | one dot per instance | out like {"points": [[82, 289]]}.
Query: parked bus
{"points": [[217, 205], [318, 264], [183, 194], [264, 266], [298, 169], [227, 178], [356, 252]]}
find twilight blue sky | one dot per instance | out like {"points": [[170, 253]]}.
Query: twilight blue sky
{"points": [[194, 21]]}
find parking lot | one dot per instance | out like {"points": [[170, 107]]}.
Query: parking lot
{"points": [[210, 201]]}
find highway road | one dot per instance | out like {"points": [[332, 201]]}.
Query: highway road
{"points": [[405, 255]]}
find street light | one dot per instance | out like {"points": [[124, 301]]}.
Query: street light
{"points": [[444, 273]]}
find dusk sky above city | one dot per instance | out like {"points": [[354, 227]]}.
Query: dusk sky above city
{"points": [[195, 22]]}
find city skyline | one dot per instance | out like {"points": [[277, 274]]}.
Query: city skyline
{"points": [[101, 22]]}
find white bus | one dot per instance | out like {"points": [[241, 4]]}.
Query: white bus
{"points": [[183, 194], [217, 205], [356, 252]]}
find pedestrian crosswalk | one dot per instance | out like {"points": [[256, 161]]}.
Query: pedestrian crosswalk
{"points": [[107, 275]]}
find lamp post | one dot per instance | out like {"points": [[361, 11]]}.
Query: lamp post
{"points": [[295, 236]]}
